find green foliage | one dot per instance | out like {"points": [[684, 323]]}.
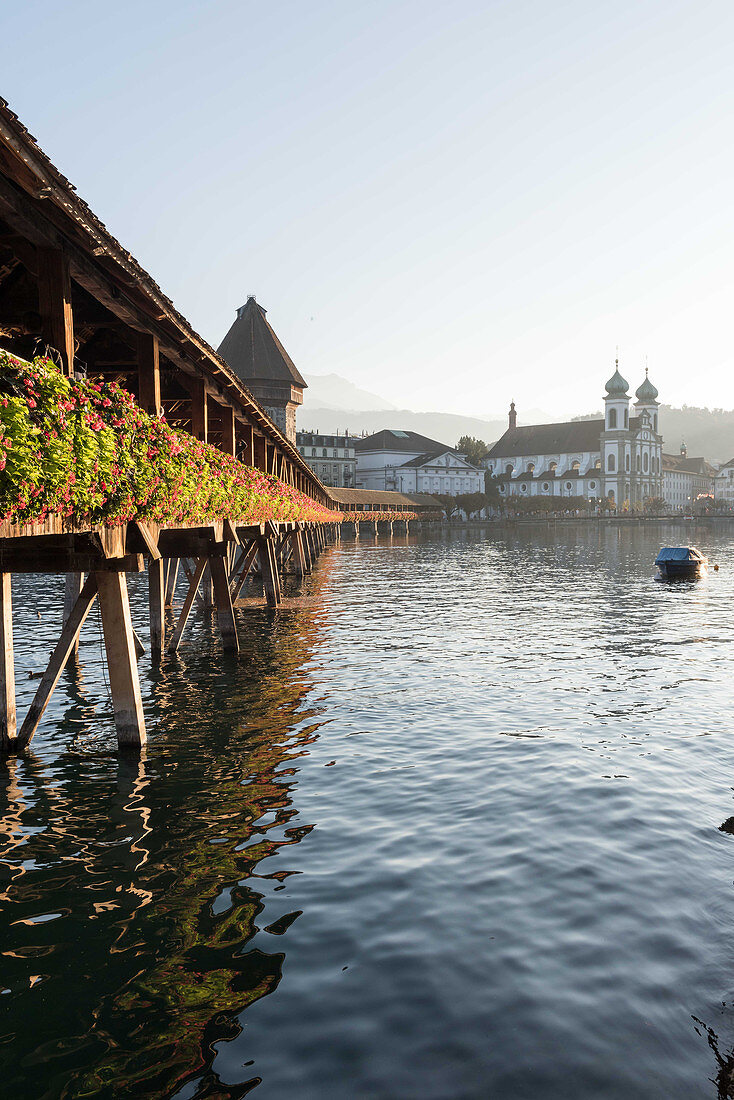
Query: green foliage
{"points": [[474, 449], [85, 451]]}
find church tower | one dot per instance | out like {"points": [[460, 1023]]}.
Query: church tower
{"points": [[613, 442], [255, 353]]}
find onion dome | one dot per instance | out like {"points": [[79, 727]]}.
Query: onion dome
{"points": [[646, 394], [617, 386]]}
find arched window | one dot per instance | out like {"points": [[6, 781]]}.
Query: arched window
{"points": [[655, 421], [592, 485], [553, 466], [627, 462], [637, 464], [523, 488], [576, 465], [612, 418], [569, 486], [597, 464], [508, 469], [644, 462], [626, 418], [610, 495], [531, 467], [611, 463]]}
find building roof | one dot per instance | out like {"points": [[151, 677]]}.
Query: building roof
{"points": [[253, 350], [549, 439], [383, 498], [684, 465], [617, 386], [391, 439], [423, 460]]}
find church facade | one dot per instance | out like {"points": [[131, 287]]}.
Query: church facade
{"points": [[618, 458]]}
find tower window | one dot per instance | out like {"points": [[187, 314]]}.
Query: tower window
{"points": [[611, 463], [626, 418], [612, 418]]}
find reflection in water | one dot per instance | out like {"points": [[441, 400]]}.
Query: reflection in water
{"points": [[507, 757]]}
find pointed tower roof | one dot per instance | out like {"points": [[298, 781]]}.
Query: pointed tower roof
{"points": [[252, 349]]}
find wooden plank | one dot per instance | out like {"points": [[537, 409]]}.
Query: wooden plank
{"points": [[149, 374], [122, 668], [54, 304], [8, 718], [151, 543], [225, 611], [188, 604], [62, 651], [156, 606], [139, 647], [230, 533]]}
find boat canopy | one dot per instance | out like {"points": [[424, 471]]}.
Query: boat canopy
{"points": [[679, 553]]}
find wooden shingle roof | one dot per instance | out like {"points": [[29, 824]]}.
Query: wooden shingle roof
{"points": [[253, 351]]}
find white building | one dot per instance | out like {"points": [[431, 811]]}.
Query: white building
{"points": [[724, 483], [619, 457], [331, 457], [686, 481], [412, 463]]}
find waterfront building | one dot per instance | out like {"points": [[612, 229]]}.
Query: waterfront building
{"points": [[412, 463], [686, 480], [331, 457], [255, 353], [724, 483], [618, 457]]}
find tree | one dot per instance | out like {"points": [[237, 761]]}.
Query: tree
{"points": [[448, 503], [474, 449], [471, 502]]}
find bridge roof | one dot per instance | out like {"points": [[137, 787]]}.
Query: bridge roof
{"points": [[384, 498]]}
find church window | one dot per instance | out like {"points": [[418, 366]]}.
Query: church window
{"points": [[612, 418], [545, 486], [523, 488], [655, 421], [569, 485], [610, 462], [531, 467], [644, 462], [508, 469], [592, 485], [626, 418], [323, 452], [627, 462], [637, 464], [576, 465]]}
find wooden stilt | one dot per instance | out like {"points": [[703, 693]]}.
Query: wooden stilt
{"points": [[225, 611], [244, 565], [72, 588], [8, 719], [171, 578], [269, 569], [188, 604], [62, 651], [207, 589], [156, 589], [122, 667], [299, 554], [139, 647]]}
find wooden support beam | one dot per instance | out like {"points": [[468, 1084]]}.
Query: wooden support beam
{"points": [[156, 605], [244, 565], [171, 578], [62, 651], [54, 304], [199, 409], [8, 719], [228, 439], [269, 570], [122, 668], [72, 587], [149, 374], [299, 554], [225, 611], [188, 604], [259, 452]]}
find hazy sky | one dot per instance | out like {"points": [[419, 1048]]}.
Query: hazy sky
{"points": [[452, 204]]}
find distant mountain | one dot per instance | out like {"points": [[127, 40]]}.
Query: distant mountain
{"points": [[707, 433], [444, 427], [330, 391]]}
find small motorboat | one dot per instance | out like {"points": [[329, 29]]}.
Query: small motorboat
{"points": [[681, 561]]}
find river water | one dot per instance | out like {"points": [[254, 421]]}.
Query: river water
{"points": [[447, 828]]}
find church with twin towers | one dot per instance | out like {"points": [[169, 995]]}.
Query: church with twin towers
{"points": [[618, 458]]}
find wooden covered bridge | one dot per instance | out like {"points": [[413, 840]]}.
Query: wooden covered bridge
{"points": [[69, 290]]}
